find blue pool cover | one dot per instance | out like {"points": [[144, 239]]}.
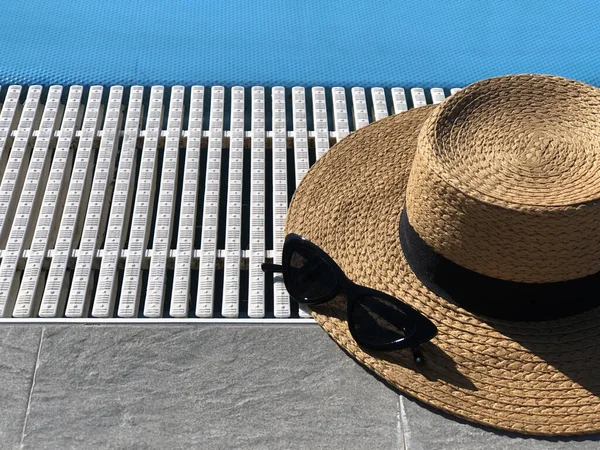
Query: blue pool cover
{"points": [[296, 42]]}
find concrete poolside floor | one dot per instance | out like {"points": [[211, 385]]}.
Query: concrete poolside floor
{"points": [[213, 387]]}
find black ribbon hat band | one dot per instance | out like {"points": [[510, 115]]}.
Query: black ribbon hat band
{"points": [[494, 297]]}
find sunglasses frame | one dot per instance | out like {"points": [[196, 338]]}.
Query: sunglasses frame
{"points": [[421, 328]]}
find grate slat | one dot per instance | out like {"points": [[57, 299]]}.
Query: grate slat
{"points": [[8, 117], [210, 214], [280, 195], [359, 108], [399, 100], [233, 237], [380, 109], [320, 121], [437, 95], [256, 279]]}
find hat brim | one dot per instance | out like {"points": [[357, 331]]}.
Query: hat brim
{"points": [[540, 378]]}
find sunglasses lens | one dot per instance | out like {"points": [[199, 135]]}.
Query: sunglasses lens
{"points": [[310, 276], [378, 321]]}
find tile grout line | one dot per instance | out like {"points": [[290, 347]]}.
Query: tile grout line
{"points": [[401, 422], [35, 370]]}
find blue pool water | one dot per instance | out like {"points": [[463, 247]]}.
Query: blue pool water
{"points": [[291, 42]]}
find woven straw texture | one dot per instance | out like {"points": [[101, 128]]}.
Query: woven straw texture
{"points": [[506, 179], [539, 378]]}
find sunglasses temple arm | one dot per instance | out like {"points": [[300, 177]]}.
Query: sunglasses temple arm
{"points": [[266, 267], [417, 354]]}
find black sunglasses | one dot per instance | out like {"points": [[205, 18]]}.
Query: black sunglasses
{"points": [[376, 320]]}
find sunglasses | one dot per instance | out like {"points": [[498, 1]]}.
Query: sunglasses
{"points": [[376, 320]]}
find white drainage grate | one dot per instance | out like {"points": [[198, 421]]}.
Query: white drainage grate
{"points": [[158, 212]]}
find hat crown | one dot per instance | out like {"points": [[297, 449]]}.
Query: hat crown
{"points": [[506, 179]]}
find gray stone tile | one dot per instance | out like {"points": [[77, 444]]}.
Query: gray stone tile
{"points": [[207, 387], [18, 353], [426, 429]]}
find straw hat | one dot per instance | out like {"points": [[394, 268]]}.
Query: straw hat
{"points": [[501, 183]]}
